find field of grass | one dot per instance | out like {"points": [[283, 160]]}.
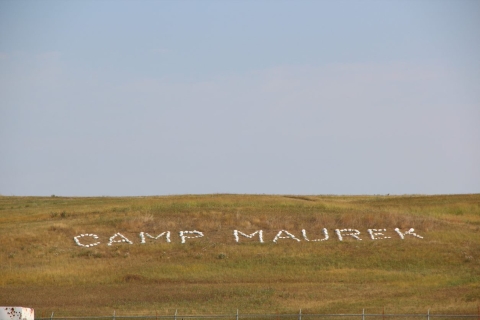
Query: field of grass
{"points": [[42, 267]]}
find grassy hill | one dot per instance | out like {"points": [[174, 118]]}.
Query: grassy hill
{"points": [[44, 268]]}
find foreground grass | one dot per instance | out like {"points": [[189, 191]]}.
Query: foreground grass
{"points": [[42, 267]]}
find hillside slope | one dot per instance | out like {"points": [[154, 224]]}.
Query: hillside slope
{"points": [[42, 266]]}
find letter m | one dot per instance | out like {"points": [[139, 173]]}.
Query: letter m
{"points": [[236, 234]]}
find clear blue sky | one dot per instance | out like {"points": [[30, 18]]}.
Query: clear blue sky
{"points": [[278, 97]]}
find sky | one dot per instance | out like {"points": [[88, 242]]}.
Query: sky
{"points": [[138, 98]]}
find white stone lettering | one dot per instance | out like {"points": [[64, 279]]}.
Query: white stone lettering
{"points": [[351, 232], [251, 235], [94, 236], [184, 235], [144, 234], [122, 239], [289, 236], [325, 233], [377, 234], [409, 232]]}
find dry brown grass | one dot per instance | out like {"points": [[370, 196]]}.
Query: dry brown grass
{"points": [[42, 267]]}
